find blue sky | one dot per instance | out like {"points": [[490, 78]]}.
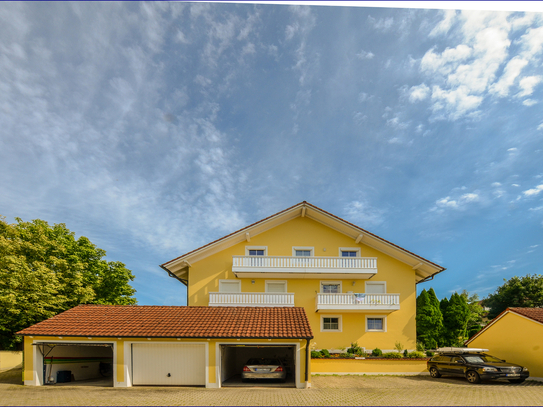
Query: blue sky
{"points": [[154, 128]]}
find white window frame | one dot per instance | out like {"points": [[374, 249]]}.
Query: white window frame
{"points": [[339, 323], [238, 282], [247, 248], [349, 249], [266, 282], [311, 249], [375, 283], [381, 316], [330, 282]]}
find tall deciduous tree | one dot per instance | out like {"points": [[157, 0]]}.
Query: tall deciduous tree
{"points": [[45, 270], [524, 291], [476, 313]]}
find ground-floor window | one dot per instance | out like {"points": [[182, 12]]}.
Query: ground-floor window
{"points": [[375, 323], [331, 323]]}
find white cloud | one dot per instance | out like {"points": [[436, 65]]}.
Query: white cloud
{"points": [[529, 102], [419, 92], [496, 184], [527, 85], [510, 74], [365, 55], [383, 24], [363, 214], [444, 25], [534, 191], [460, 203], [456, 102]]}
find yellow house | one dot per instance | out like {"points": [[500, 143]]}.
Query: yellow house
{"points": [[298, 280], [354, 285], [516, 336]]}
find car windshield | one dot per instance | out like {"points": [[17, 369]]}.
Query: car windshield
{"points": [[262, 361], [481, 359]]}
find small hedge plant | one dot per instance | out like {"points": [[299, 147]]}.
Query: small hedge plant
{"points": [[392, 355], [325, 353], [415, 355], [377, 352]]}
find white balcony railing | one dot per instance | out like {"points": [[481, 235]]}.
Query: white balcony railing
{"points": [[291, 262], [252, 299], [354, 302]]}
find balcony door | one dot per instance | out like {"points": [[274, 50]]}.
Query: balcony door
{"points": [[276, 286]]}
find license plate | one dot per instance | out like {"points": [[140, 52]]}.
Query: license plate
{"points": [[512, 375], [262, 370]]}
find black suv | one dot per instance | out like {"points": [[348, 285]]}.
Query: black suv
{"points": [[475, 367]]}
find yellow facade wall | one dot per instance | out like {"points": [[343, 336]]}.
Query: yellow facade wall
{"points": [[516, 339], [367, 366], [204, 276], [10, 359]]}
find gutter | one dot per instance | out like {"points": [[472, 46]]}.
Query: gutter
{"points": [[185, 282]]}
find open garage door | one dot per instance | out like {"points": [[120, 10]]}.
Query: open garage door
{"points": [[80, 364], [234, 357], [168, 364]]}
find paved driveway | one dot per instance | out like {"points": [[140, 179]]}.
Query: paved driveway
{"points": [[327, 390]]}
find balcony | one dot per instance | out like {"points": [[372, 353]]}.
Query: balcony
{"points": [[251, 299], [304, 267], [357, 302]]}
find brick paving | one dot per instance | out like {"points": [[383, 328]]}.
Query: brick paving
{"points": [[326, 390]]}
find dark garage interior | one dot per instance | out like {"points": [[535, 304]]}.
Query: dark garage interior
{"points": [[234, 357]]}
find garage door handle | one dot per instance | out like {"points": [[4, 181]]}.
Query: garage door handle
{"points": [[169, 375]]}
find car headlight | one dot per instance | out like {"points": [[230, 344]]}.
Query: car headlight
{"points": [[524, 369], [489, 369]]}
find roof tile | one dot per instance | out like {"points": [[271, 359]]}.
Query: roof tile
{"points": [[176, 322], [533, 313]]}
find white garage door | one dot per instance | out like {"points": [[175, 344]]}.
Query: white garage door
{"points": [[168, 364]]}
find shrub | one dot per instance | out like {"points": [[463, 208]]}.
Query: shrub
{"points": [[346, 355], [325, 353], [360, 352], [415, 354], [405, 353], [420, 347], [399, 347], [428, 353], [392, 355], [377, 352], [315, 354]]}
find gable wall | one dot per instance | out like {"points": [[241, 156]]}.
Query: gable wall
{"points": [[204, 278], [516, 339]]}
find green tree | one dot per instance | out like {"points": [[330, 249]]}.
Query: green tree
{"points": [[429, 320], [476, 314], [524, 291], [45, 270], [455, 320]]}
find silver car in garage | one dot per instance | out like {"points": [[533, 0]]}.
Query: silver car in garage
{"points": [[264, 368]]}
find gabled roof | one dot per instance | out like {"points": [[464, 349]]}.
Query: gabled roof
{"points": [[133, 321], [424, 269], [535, 314]]}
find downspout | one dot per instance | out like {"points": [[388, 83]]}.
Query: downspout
{"points": [[185, 282], [307, 355]]}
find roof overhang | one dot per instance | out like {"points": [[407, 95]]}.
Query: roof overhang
{"points": [[424, 269]]}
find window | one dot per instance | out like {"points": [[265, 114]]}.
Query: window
{"points": [[302, 251], [376, 287], [330, 287], [229, 286], [349, 252], [276, 286], [376, 323], [256, 250], [330, 323]]}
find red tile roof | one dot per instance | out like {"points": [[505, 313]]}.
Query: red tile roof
{"points": [[533, 313], [176, 322]]}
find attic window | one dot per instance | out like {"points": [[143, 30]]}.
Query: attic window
{"points": [[256, 252]]}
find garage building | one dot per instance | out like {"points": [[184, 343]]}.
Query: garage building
{"points": [[122, 346]]}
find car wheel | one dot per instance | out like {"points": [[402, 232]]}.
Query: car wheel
{"points": [[473, 377], [434, 373], [516, 381]]}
